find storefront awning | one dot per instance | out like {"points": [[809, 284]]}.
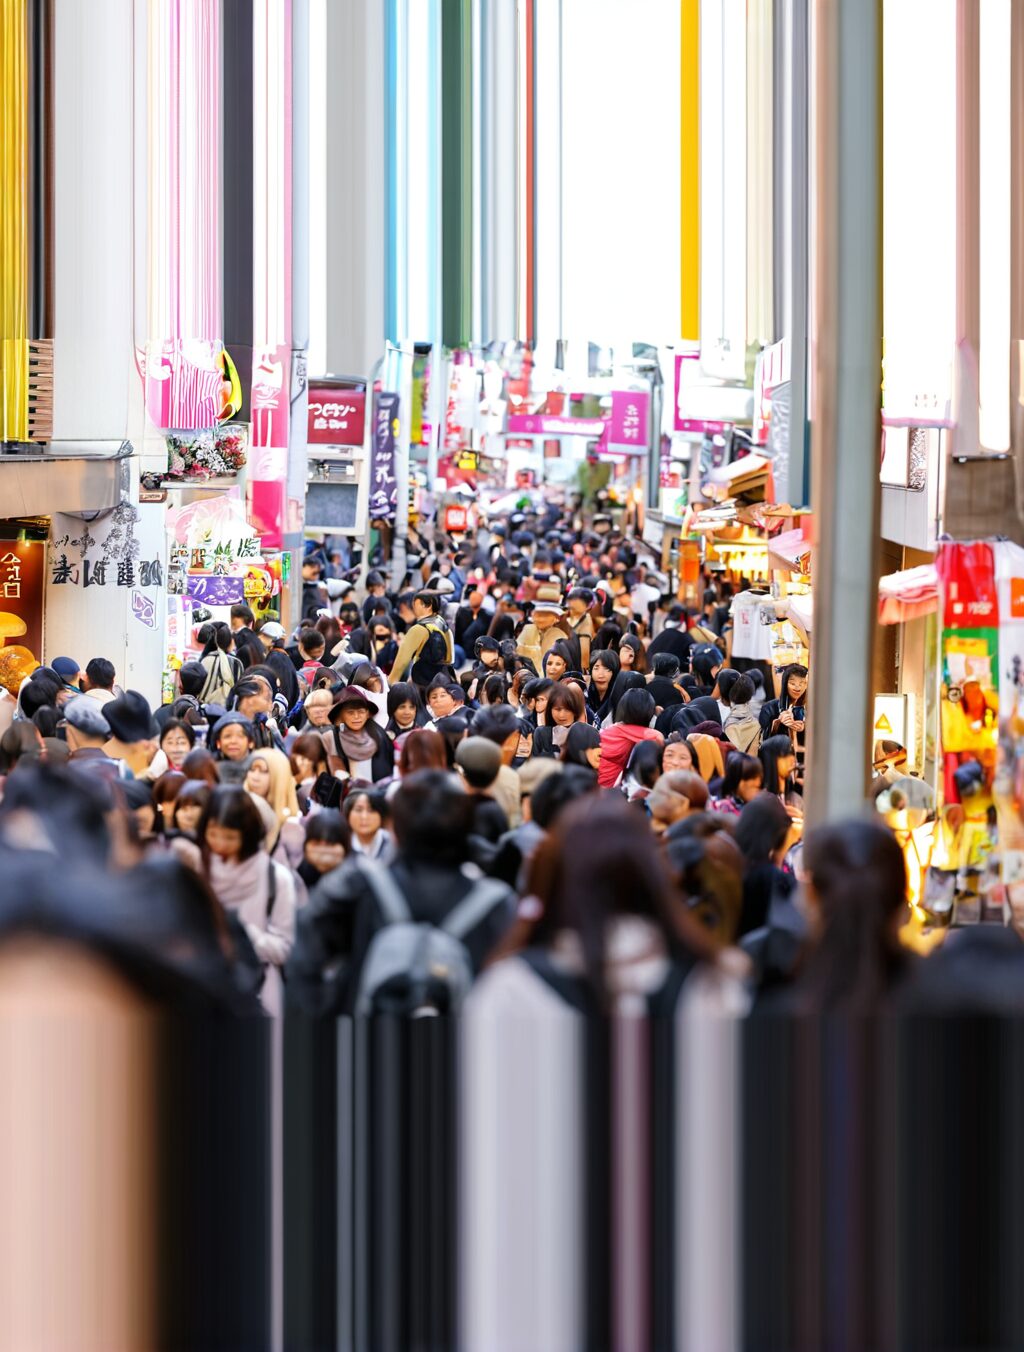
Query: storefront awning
{"points": [[33, 485], [790, 551], [908, 595]]}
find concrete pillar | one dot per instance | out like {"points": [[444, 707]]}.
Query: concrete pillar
{"points": [[846, 413]]}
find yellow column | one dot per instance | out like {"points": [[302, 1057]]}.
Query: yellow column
{"points": [[13, 220], [689, 170]]}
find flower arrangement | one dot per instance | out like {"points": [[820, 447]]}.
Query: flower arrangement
{"points": [[214, 454]]}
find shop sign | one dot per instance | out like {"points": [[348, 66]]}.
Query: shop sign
{"points": [[103, 553], [468, 460], [336, 417], [890, 720], [455, 520], [21, 592], [460, 409], [383, 479], [550, 425], [630, 422]]}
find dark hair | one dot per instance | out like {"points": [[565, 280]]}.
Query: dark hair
{"points": [[20, 739], [47, 720], [497, 723], [192, 678], [605, 657], [240, 612], [601, 861], [637, 648], [635, 708], [167, 787], [727, 679], [330, 827], [220, 637], [561, 649], [555, 792], [762, 829], [231, 807], [645, 763], [494, 689], [423, 749], [177, 725], [581, 738], [708, 870], [310, 745], [740, 769], [247, 686], [794, 669], [429, 598], [433, 817], [858, 872], [742, 691], [703, 660], [312, 640], [330, 629], [201, 764], [375, 797], [772, 749], [70, 806], [404, 692], [665, 664], [193, 793], [38, 692], [568, 697], [101, 673], [537, 686]]}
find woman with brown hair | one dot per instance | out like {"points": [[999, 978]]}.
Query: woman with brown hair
{"points": [[565, 707]]}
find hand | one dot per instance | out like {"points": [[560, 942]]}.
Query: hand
{"points": [[786, 718]]}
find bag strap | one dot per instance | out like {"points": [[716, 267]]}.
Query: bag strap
{"points": [[387, 892], [271, 887], [481, 898]]}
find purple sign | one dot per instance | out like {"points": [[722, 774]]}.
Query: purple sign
{"points": [[630, 419], [217, 589], [383, 480], [550, 425]]}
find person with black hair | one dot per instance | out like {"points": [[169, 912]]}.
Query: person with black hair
{"points": [[706, 662], [634, 715], [98, 680], [308, 651], [499, 724], [405, 711], [432, 816], [663, 683], [443, 698], [741, 727], [222, 669], [742, 782], [779, 760], [763, 834], [328, 843], [604, 669], [358, 746], [247, 882], [674, 637], [427, 649]]}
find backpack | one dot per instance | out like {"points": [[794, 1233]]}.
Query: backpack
{"points": [[413, 968], [433, 656]]}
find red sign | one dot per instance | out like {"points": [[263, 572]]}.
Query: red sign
{"points": [[21, 591], [455, 520], [968, 585], [336, 417]]}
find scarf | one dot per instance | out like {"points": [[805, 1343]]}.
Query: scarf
{"points": [[356, 746], [236, 884]]}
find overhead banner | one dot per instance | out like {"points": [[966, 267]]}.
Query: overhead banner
{"points": [[383, 498], [630, 423]]}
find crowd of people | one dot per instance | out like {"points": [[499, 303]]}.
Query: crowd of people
{"points": [[402, 748]]}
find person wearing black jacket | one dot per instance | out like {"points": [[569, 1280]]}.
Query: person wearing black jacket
{"points": [[674, 638], [357, 744], [432, 820], [662, 684]]}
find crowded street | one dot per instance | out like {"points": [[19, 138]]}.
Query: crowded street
{"points": [[511, 669]]}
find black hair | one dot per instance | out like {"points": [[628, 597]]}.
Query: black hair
{"points": [[608, 659], [555, 792], [404, 692], [580, 739], [193, 793], [69, 805], [20, 739], [37, 693], [101, 673], [452, 728], [727, 679], [623, 683], [772, 749], [762, 829], [432, 817], [496, 722], [495, 688], [220, 637], [665, 664], [46, 720], [330, 827], [536, 687], [794, 669], [429, 598], [742, 691], [312, 640], [192, 678], [241, 612], [179, 725], [232, 807], [703, 660], [645, 763], [376, 798], [739, 769]]}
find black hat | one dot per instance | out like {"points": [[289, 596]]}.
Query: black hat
{"points": [[130, 718], [351, 694]]}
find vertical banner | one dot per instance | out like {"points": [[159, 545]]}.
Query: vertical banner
{"points": [[630, 424], [383, 499], [1009, 778], [22, 568]]}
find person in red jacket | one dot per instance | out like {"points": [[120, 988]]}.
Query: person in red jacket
{"points": [[633, 717]]}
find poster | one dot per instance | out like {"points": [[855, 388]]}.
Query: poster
{"points": [[102, 553], [336, 417], [383, 498], [22, 566], [630, 421]]}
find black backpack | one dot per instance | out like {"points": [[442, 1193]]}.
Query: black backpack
{"points": [[433, 657]]}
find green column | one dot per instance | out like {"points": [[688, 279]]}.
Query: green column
{"points": [[456, 173]]}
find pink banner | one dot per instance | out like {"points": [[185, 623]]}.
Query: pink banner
{"points": [[547, 425], [631, 415], [270, 411]]}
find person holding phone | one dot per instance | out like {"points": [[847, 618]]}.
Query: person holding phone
{"points": [[788, 714]]}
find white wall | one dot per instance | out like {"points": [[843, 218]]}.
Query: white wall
{"points": [[94, 375]]}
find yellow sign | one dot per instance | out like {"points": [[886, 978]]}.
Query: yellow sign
{"points": [[883, 725]]}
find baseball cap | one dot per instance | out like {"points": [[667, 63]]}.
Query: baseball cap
{"points": [[66, 668]]}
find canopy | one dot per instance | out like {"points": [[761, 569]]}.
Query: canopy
{"points": [[908, 595]]}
